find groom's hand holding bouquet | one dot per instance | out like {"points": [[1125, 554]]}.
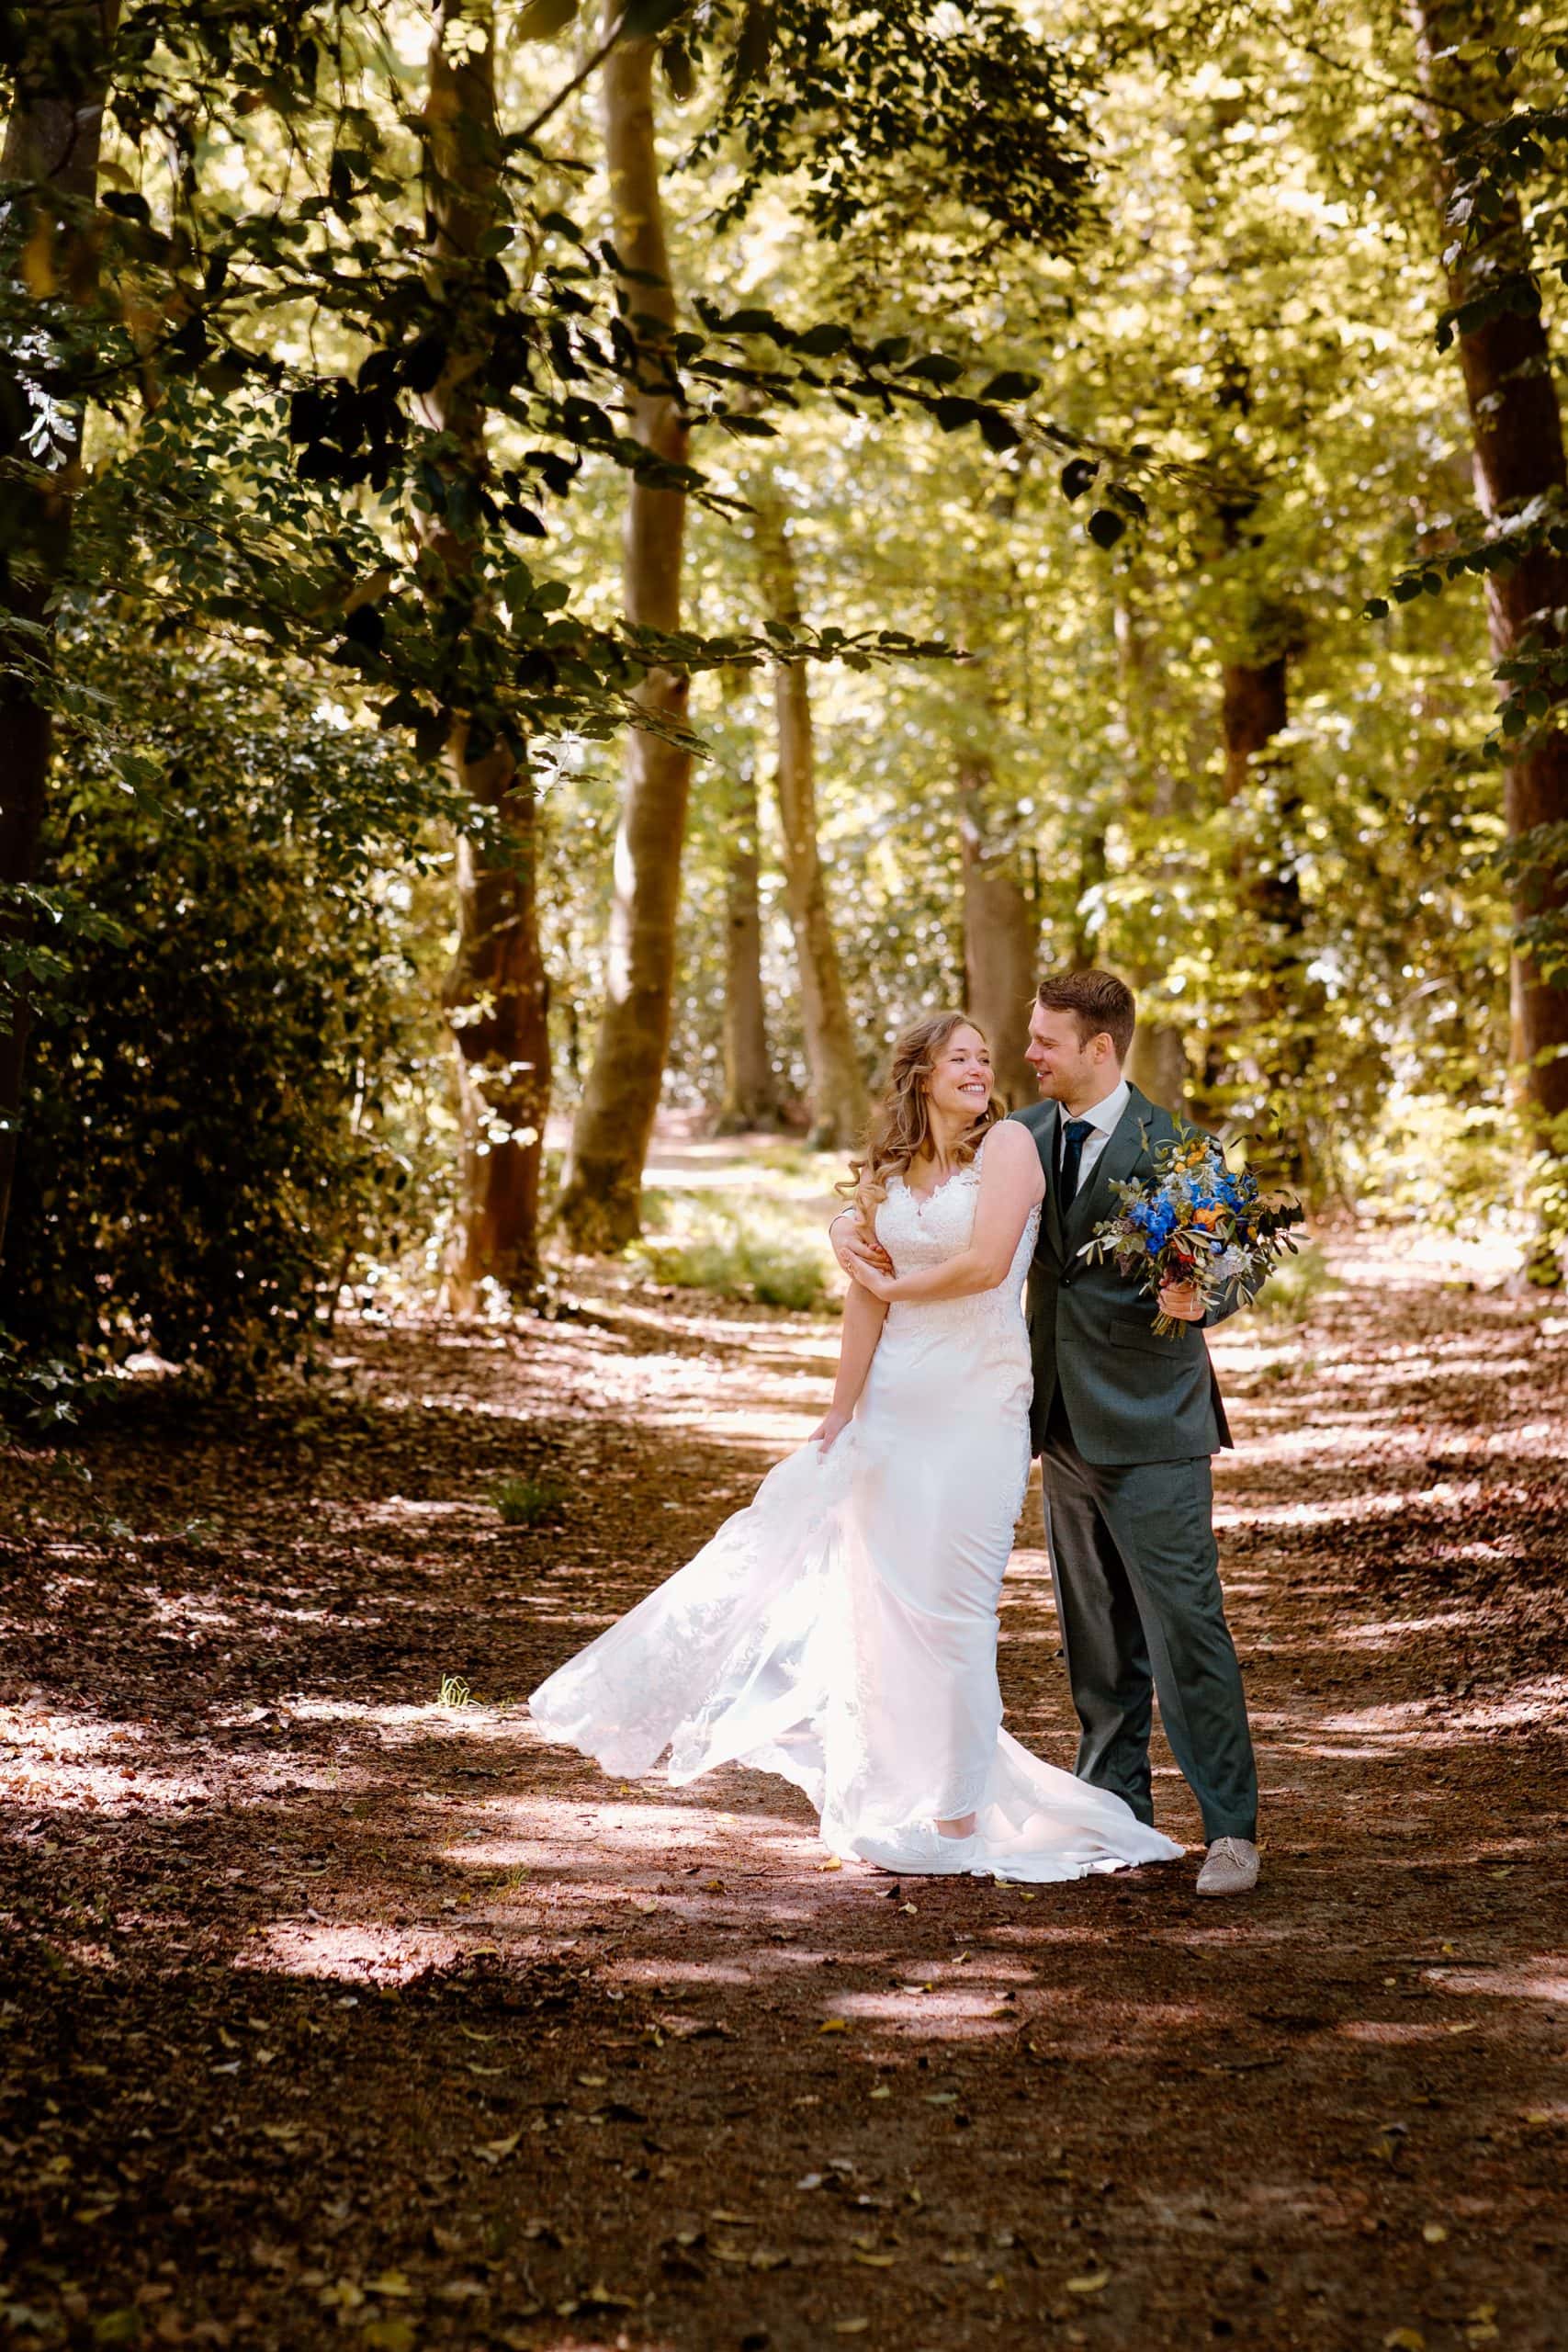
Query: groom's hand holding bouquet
{"points": [[1200, 1234]]}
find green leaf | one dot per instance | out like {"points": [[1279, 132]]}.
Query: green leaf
{"points": [[953, 413], [647, 17], [365, 625], [752, 322], [123, 2326], [1105, 527], [542, 20], [999, 432], [676, 60], [1077, 476], [1010, 384], [935, 367]]}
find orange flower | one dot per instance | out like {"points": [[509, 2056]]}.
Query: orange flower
{"points": [[1208, 1217]]}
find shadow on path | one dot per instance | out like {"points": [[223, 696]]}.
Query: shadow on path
{"points": [[335, 2015]]}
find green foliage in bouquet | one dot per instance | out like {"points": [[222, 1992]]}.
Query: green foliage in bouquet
{"points": [[1199, 1221]]}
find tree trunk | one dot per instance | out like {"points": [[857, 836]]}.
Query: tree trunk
{"points": [[1002, 939], [1082, 950], [1279, 1005], [497, 1000], [53, 140], [751, 1092], [496, 996], [1516, 427], [1253, 712], [839, 1098], [599, 1205], [1158, 1062]]}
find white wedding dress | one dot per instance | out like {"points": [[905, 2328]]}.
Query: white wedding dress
{"points": [[842, 1630]]}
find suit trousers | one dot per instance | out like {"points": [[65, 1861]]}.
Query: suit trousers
{"points": [[1136, 1569]]}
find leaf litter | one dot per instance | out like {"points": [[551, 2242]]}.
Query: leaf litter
{"points": [[236, 2112]]}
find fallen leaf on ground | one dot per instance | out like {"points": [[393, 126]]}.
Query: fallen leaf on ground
{"points": [[393, 2333]]}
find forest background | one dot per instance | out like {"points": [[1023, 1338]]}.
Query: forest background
{"points": [[555, 562]]}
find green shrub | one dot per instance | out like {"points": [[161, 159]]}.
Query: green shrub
{"points": [[1287, 1297], [746, 1248], [206, 1142], [528, 1502]]}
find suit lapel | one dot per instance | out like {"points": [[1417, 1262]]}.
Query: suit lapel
{"points": [[1114, 1166]]}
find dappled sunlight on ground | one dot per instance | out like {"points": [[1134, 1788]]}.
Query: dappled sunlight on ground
{"points": [[390, 2001]]}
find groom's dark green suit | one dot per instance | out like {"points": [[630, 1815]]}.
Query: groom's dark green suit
{"points": [[1124, 1423]]}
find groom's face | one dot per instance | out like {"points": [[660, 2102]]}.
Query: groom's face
{"points": [[1068, 1067]]}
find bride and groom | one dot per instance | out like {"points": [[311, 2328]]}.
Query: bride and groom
{"points": [[842, 1630]]}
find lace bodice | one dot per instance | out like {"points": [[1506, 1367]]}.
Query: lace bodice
{"points": [[917, 1231]]}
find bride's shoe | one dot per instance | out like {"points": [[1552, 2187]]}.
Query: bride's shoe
{"points": [[919, 1851]]}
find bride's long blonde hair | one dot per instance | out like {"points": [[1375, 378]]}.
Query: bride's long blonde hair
{"points": [[899, 1128]]}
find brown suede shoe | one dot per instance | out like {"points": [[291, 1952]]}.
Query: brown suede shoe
{"points": [[1231, 1868]]}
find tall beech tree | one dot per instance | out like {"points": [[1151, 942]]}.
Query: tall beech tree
{"points": [[614, 1119], [1002, 931], [1521, 478], [750, 1086], [49, 165], [496, 993], [837, 1082]]}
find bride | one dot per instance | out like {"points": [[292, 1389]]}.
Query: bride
{"points": [[842, 1630]]}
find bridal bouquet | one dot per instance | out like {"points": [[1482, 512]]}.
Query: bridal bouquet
{"points": [[1195, 1221]]}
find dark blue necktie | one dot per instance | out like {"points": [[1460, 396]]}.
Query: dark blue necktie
{"points": [[1073, 1138]]}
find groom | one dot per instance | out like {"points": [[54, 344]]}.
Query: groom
{"points": [[1124, 1423]]}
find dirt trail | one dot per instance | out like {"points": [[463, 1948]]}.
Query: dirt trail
{"points": [[332, 2016]]}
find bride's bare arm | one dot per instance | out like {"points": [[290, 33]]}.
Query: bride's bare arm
{"points": [[863, 1319], [1011, 1184]]}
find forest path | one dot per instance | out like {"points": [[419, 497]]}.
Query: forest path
{"points": [[335, 2015]]}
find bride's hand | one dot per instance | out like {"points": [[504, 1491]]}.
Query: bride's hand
{"points": [[853, 1252], [881, 1286], [831, 1426]]}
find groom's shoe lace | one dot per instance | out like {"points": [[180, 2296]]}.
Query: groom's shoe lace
{"points": [[1231, 1868]]}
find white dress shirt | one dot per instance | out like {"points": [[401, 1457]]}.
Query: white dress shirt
{"points": [[1102, 1119]]}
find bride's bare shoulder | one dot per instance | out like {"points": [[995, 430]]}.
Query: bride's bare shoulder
{"points": [[1008, 1146]]}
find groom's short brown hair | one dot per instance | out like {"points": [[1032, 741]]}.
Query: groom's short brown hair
{"points": [[1099, 1002]]}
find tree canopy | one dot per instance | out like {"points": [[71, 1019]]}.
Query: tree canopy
{"points": [[1118, 447]]}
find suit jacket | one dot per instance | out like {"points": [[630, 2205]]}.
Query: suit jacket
{"points": [[1131, 1397]]}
